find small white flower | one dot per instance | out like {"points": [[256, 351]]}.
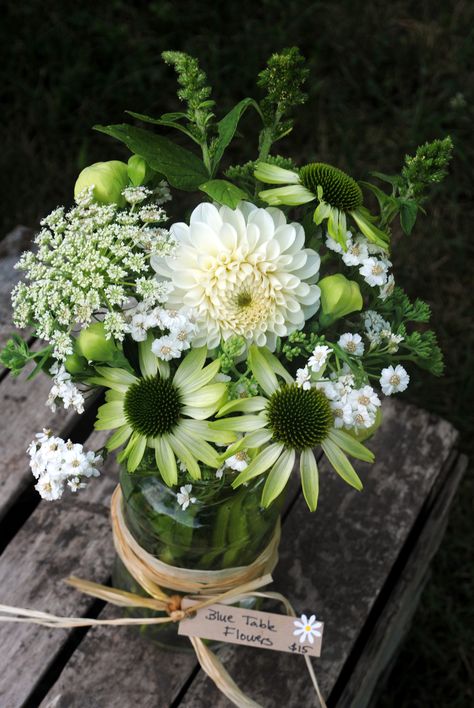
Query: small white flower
{"points": [[387, 289], [49, 487], [166, 348], [238, 462], [334, 245], [361, 418], [184, 497], [357, 252], [351, 343], [365, 397], [374, 271], [393, 380], [220, 472], [135, 195], [307, 629], [319, 357], [75, 484], [303, 378]]}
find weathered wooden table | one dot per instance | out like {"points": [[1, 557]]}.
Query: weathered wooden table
{"points": [[359, 563]]}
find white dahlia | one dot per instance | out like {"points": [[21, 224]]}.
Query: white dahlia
{"points": [[244, 272]]}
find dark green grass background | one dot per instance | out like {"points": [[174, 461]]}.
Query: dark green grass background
{"points": [[384, 78]]}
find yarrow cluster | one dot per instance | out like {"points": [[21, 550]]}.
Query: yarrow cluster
{"points": [[56, 463]]}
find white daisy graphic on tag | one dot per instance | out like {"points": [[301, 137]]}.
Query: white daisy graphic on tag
{"points": [[307, 629]]}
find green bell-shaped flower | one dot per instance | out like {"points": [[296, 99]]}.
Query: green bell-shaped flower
{"points": [[138, 170], [109, 180], [339, 297]]}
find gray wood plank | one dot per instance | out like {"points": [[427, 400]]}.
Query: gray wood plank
{"points": [[333, 562], [57, 541], [390, 629]]}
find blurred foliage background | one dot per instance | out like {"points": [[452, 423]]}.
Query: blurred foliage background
{"points": [[384, 77]]}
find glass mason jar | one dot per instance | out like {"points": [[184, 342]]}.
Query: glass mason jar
{"points": [[223, 528]]}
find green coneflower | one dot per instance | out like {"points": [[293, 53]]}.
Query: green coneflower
{"points": [[163, 411], [286, 422], [337, 194]]}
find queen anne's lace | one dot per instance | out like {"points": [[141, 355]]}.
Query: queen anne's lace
{"points": [[92, 258]]}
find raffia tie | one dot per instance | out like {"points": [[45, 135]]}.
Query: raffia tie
{"points": [[204, 587]]}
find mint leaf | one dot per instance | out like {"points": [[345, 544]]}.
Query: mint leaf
{"points": [[408, 213], [223, 192], [226, 129], [182, 168]]}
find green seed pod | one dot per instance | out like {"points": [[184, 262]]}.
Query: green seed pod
{"points": [[109, 180], [138, 171], [339, 190], [339, 297], [92, 344]]}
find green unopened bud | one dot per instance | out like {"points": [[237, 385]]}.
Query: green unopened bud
{"points": [[75, 364], [109, 180], [339, 297], [92, 344], [138, 171]]}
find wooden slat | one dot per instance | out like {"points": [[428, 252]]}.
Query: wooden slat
{"points": [[333, 563], [391, 627], [53, 544]]}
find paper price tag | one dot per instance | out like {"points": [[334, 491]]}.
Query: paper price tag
{"points": [[265, 630]]}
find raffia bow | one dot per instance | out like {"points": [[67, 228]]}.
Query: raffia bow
{"points": [[204, 587]]}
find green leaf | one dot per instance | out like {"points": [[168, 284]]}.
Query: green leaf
{"points": [[383, 199], [394, 180], [182, 168], [226, 128], [167, 122], [408, 212], [224, 192]]}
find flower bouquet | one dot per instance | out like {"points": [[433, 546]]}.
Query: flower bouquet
{"points": [[235, 342]]}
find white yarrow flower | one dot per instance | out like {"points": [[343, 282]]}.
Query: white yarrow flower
{"points": [[303, 378], [238, 462], [394, 379], [166, 348], [387, 289], [184, 497], [351, 343], [374, 271], [357, 252], [319, 357]]}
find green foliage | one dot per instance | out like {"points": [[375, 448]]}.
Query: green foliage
{"points": [[243, 175], [223, 192], [194, 92], [300, 344], [17, 354], [425, 351], [182, 168], [282, 79], [226, 130], [401, 309], [427, 167]]}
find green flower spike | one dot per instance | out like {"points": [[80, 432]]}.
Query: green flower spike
{"points": [[337, 194], [285, 422], [164, 412]]}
